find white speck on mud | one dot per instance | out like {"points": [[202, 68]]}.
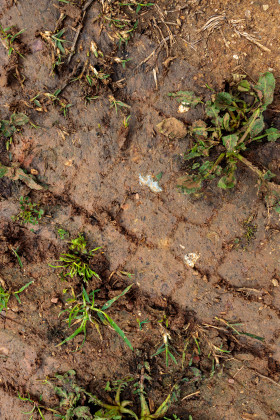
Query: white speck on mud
{"points": [[191, 258], [149, 182]]}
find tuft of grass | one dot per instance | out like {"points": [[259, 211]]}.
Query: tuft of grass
{"points": [[76, 402], [166, 346], [117, 104], [30, 212], [8, 37], [83, 311], [5, 295], [77, 261], [233, 122]]}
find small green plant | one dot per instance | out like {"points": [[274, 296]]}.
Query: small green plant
{"points": [[234, 120], [165, 347], [5, 295], [115, 103], [83, 310], [8, 38], [126, 121], [57, 44], [9, 127], [137, 4], [30, 212], [77, 261], [37, 407], [62, 233], [75, 401], [163, 408]]}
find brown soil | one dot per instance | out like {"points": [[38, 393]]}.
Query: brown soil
{"points": [[90, 165]]}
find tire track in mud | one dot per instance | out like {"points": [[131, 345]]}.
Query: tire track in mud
{"points": [[103, 217]]}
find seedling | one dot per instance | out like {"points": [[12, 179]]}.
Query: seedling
{"points": [[141, 323], [8, 39], [30, 212], [77, 261], [76, 402], [165, 347], [5, 295], [137, 4], [235, 331], [83, 310], [37, 407], [18, 257], [115, 103], [57, 42], [126, 121], [64, 107], [122, 61], [163, 408], [234, 120], [9, 127], [198, 339], [62, 233]]}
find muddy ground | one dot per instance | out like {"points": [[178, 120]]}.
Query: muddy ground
{"points": [[89, 165]]}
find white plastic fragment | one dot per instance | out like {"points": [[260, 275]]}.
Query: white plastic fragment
{"points": [[191, 258], [149, 182], [183, 108]]}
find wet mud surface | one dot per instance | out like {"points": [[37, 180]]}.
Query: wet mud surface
{"points": [[89, 165]]}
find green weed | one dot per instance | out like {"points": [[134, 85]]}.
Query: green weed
{"points": [[62, 233], [8, 38], [37, 407], [77, 261], [75, 401], [117, 104], [9, 127], [166, 346], [5, 295], [234, 120], [83, 310], [30, 212]]}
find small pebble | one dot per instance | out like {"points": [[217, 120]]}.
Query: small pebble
{"points": [[265, 7]]}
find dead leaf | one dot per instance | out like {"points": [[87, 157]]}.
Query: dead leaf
{"points": [[18, 174], [172, 128]]}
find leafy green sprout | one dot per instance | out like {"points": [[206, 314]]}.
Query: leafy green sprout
{"points": [[17, 256], [83, 310], [9, 127], [166, 346], [77, 261], [117, 104], [234, 120], [76, 400], [138, 5], [9, 38], [37, 407], [30, 212], [62, 233], [141, 323], [126, 121], [64, 107], [6, 295]]}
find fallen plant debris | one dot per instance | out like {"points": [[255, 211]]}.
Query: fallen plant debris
{"points": [[9, 127], [16, 174], [234, 120]]}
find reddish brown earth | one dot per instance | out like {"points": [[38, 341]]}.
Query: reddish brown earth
{"points": [[90, 168]]}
